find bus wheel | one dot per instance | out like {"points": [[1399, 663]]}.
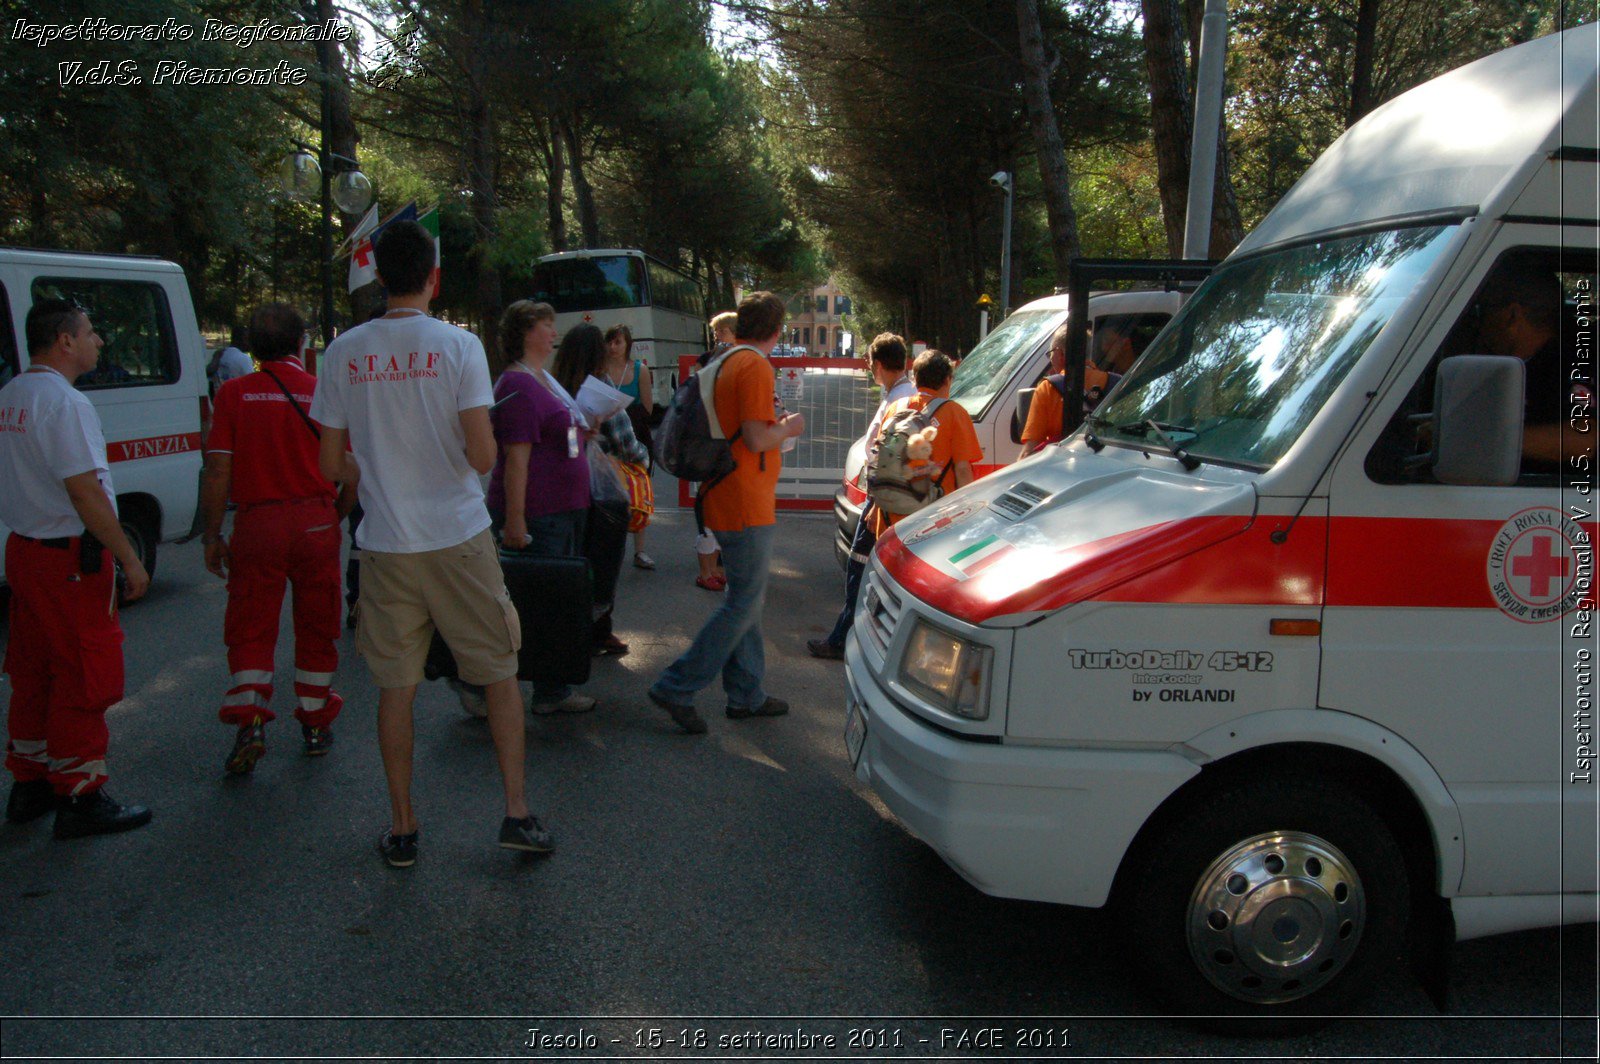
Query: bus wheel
{"points": [[1274, 899]]}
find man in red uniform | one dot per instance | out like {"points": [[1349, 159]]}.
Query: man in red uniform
{"points": [[263, 453], [65, 652]]}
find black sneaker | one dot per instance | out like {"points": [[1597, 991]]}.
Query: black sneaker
{"points": [[318, 740], [684, 716], [772, 707], [30, 800], [400, 851], [248, 746], [526, 834], [96, 813], [821, 648]]}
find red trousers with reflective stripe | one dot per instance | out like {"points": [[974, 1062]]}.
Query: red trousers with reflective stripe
{"points": [[297, 544], [65, 662]]}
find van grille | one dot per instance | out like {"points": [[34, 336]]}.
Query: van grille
{"points": [[1019, 499], [885, 608]]}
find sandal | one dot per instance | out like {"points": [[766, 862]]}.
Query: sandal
{"points": [[711, 583], [641, 560]]}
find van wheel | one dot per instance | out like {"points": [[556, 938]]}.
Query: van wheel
{"points": [[143, 540], [1274, 899]]}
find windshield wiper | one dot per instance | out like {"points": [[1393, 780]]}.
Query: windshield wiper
{"points": [[1187, 460]]}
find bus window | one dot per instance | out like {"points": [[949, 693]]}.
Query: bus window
{"points": [[599, 283]]}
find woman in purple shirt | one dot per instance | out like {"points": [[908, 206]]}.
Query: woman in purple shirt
{"points": [[539, 489]]}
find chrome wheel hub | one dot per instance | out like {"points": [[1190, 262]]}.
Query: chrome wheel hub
{"points": [[1276, 917]]}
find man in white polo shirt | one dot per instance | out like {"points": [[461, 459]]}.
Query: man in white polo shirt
{"points": [[65, 651], [412, 396]]}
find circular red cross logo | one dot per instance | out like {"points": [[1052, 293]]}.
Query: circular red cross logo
{"points": [[1533, 565]]}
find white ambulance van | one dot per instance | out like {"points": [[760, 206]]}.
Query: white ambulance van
{"points": [[993, 382], [1286, 656], [150, 385]]}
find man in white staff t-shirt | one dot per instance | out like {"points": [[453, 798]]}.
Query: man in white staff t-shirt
{"points": [[412, 396]]}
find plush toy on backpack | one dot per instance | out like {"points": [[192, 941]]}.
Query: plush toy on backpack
{"points": [[899, 478]]}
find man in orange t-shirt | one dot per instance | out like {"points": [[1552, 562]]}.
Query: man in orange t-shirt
{"points": [[742, 511], [955, 445], [1045, 413]]}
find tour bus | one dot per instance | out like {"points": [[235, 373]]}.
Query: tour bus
{"points": [[995, 382], [617, 286], [1286, 655], [149, 388]]}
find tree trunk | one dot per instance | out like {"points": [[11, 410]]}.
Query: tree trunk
{"points": [[1046, 141], [588, 218], [555, 185], [481, 149], [1171, 126], [1361, 94], [342, 140]]}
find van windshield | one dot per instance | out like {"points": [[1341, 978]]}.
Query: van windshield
{"points": [[985, 372], [1241, 372]]}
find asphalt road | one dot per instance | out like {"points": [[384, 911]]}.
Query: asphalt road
{"points": [[708, 892]]}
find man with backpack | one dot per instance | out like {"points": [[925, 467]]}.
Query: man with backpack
{"points": [[886, 361], [263, 454], [725, 413], [925, 449]]}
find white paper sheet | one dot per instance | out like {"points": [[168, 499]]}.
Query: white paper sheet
{"points": [[600, 401]]}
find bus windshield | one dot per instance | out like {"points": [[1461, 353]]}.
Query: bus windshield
{"points": [[984, 372], [607, 282], [1253, 357]]}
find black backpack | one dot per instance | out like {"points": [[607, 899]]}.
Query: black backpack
{"points": [[690, 444]]}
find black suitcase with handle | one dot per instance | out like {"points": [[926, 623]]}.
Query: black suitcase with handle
{"points": [[554, 598]]}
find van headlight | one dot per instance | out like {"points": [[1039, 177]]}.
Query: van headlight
{"points": [[948, 671]]}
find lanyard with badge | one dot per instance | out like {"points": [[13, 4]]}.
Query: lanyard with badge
{"points": [[574, 435]]}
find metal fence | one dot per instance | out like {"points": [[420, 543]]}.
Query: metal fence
{"points": [[837, 398]]}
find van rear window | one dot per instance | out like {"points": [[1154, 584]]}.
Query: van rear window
{"points": [[133, 319]]}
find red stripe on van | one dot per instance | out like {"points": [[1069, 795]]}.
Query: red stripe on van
{"points": [[1380, 562], [1026, 581], [152, 447]]}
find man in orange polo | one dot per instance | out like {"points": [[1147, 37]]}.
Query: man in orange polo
{"points": [[742, 511], [955, 444]]}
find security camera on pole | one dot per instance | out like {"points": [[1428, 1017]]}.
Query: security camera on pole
{"points": [[1002, 181]]}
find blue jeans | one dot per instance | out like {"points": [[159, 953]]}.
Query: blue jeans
{"points": [[860, 547], [730, 642]]}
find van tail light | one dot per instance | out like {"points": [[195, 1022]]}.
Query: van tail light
{"points": [[205, 420]]}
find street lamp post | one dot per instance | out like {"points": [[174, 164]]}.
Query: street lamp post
{"points": [[350, 189], [1002, 181]]}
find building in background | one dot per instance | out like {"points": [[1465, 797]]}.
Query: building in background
{"points": [[816, 322]]}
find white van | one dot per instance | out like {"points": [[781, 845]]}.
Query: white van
{"points": [[1287, 654], [993, 382], [150, 385]]}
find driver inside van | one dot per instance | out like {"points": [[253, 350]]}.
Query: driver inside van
{"points": [[1519, 314]]}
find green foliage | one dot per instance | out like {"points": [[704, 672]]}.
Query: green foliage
{"points": [[1291, 68], [172, 170]]}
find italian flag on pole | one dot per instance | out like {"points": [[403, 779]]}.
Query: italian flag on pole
{"points": [[430, 222]]}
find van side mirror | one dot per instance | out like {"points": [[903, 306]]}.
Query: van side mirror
{"points": [[1019, 416], [1477, 420]]}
